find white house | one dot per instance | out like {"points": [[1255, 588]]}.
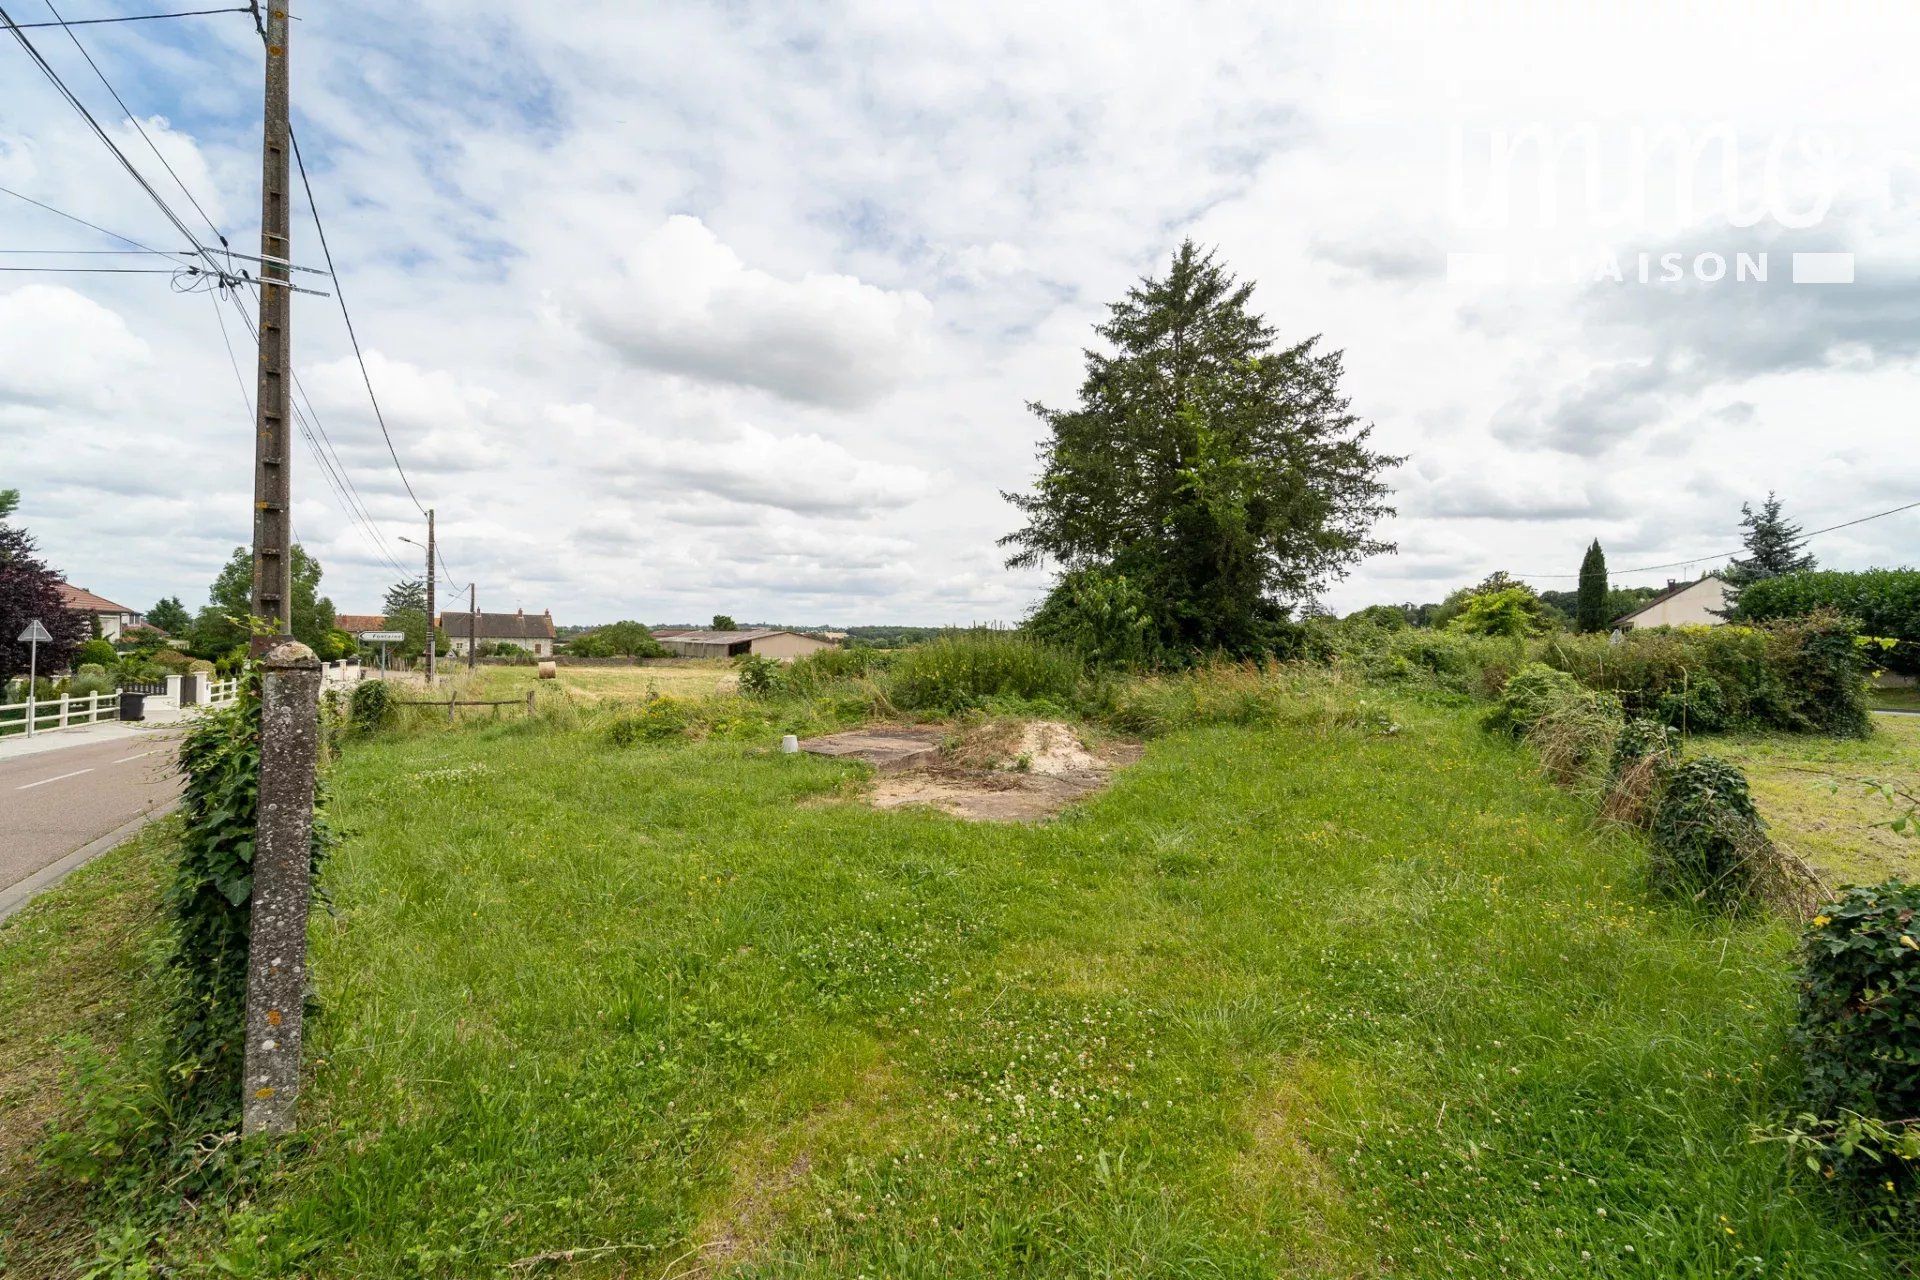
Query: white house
{"points": [[1682, 604], [532, 632], [113, 618]]}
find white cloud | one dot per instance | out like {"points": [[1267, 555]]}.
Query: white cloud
{"points": [[677, 310], [682, 302], [66, 352]]}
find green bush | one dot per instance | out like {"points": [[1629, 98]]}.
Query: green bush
{"points": [[100, 653], [1708, 840], [969, 668], [1697, 706], [656, 720], [1886, 602], [759, 677], [88, 683], [1531, 692], [1101, 615], [371, 708], [1643, 739], [1859, 1039]]}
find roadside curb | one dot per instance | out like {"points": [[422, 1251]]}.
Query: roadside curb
{"points": [[18, 895]]}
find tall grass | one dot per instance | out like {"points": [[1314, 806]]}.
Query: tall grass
{"points": [[970, 668]]}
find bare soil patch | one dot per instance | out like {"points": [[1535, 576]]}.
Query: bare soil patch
{"points": [[1006, 771]]}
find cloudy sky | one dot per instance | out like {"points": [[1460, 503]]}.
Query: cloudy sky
{"points": [[681, 309]]}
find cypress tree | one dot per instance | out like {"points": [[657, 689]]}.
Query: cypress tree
{"points": [[1590, 607]]}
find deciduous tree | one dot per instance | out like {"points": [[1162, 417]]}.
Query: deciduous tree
{"points": [[30, 591]]}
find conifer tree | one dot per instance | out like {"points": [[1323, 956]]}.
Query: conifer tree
{"points": [[1218, 474], [1773, 545], [1590, 607]]}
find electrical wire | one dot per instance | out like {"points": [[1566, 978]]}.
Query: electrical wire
{"points": [[129, 17], [135, 121], [1723, 555], [341, 297]]}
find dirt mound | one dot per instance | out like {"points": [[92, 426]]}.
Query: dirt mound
{"points": [[1008, 772]]}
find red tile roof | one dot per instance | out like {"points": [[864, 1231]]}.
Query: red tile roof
{"points": [[81, 600]]}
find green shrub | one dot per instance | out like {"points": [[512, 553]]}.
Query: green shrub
{"points": [[969, 668], [759, 677], [1531, 693], [656, 720], [88, 683], [1697, 706], [1708, 841], [1859, 1039], [1101, 615], [1643, 739], [1886, 601], [372, 707], [100, 653]]}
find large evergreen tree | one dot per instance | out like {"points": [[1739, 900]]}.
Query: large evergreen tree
{"points": [[171, 616], [1219, 474], [1773, 545], [406, 595], [30, 591], [1590, 609]]}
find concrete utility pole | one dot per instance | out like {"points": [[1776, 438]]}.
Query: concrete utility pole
{"points": [[430, 613], [282, 887], [273, 440], [473, 626]]}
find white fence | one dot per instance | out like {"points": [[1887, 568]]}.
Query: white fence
{"points": [[63, 712], [221, 692]]}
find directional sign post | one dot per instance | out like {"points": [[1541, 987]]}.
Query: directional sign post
{"points": [[32, 637], [383, 639]]}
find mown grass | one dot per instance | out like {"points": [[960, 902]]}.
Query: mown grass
{"points": [[1348, 994], [1808, 789]]}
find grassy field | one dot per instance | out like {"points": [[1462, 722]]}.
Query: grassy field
{"points": [[1905, 699], [1288, 1000], [680, 677], [1807, 789]]}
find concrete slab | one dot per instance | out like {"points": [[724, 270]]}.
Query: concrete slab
{"points": [[888, 749]]}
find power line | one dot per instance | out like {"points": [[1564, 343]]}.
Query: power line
{"points": [[135, 121], [1722, 555], [73, 100], [130, 17], [341, 297], [71, 217]]}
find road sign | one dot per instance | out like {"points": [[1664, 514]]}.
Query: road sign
{"points": [[382, 637], [34, 634]]}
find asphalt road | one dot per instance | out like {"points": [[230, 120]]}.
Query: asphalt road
{"points": [[54, 802]]}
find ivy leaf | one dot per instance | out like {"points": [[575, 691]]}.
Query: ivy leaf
{"points": [[238, 889]]}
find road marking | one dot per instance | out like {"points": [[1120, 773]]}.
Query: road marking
{"points": [[142, 756], [44, 781]]}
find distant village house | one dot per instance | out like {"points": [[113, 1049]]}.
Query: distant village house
{"points": [[1682, 604], [112, 618], [532, 632]]}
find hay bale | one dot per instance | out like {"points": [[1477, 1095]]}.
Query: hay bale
{"points": [[549, 669]]}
